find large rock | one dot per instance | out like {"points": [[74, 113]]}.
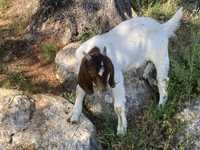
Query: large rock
{"points": [[138, 92], [65, 20], [189, 133], [40, 122]]}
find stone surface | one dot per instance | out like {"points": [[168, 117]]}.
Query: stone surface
{"points": [[22, 9], [40, 122], [189, 133], [66, 20], [138, 92]]}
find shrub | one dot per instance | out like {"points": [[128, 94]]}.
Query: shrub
{"points": [[49, 51]]}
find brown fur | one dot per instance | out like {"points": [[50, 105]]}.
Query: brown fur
{"points": [[88, 73]]}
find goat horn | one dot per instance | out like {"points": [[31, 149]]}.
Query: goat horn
{"points": [[87, 56]]}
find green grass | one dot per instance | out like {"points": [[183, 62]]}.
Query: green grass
{"points": [[4, 4], [2, 52], [48, 51], [88, 33], [18, 80]]}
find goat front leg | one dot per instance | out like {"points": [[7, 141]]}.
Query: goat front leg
{"points": [[77, 109], [163, 79], [119, 104]]}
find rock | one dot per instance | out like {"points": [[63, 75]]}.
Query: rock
{"points": [[66, 65], [66, 20], [22, 9], [138, 92], [189, 134], [40, 122], [30, 37]]}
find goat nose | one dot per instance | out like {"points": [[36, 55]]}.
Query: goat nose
{"points": [[103, 89]]}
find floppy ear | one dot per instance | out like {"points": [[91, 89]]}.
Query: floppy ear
{"points": [[110, 71], [111, 80], [84, 79], [87, 56], [94, 50]]}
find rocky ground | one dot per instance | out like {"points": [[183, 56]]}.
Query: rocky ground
{"points": [[40, 122], [34, 113]]}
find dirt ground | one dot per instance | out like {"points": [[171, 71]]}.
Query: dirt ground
{"points": [[22, 65]]}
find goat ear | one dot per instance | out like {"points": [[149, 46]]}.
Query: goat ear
{"points": [[84, 79], [87, 56], [110, 71], [94, 50], [111, 80]]}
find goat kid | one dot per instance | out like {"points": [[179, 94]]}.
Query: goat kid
{"points": [[129, 45]]}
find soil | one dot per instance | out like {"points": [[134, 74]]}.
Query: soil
{"points": [[23, 57]]}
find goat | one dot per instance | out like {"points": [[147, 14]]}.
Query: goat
{"points": [[128, 45]]}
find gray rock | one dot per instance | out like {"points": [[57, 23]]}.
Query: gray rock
{"points": [[40, 122], [138, 92], [189, 134], [66, 20]]}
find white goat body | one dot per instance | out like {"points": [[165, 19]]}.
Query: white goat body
{"points": [[129, 45], [134, 41]]}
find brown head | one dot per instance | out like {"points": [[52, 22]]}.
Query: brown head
{"points": [[96, 69]]}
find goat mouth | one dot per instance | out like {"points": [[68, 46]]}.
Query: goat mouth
{"points": [[99, 88], [100, 93]]}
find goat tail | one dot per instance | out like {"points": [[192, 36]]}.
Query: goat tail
{"points": [[172, 24]]}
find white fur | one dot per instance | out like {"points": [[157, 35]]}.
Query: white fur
{"points": [[129, 45]]}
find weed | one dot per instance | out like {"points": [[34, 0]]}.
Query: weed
{"points": [[88, 33], [17, 78], [18, 26], [69, 96], [2, 52], [4, 4], [20, 81], [49, 51], [161, 11]]}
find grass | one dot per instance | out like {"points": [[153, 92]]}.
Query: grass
{"points": [[18, 26], [2, 52], [48, 51], [18, 80], [4, 4], [88, 33]]}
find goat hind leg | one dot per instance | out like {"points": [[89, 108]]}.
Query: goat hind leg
{"points": [[162, 86], [119, 104], [162, 79]]}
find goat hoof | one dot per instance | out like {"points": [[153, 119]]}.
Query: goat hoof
{"points": [[160, 107], [73, 119], [163, 101]]}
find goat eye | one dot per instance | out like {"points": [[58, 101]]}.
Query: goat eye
{"points": [[102, 64]]}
